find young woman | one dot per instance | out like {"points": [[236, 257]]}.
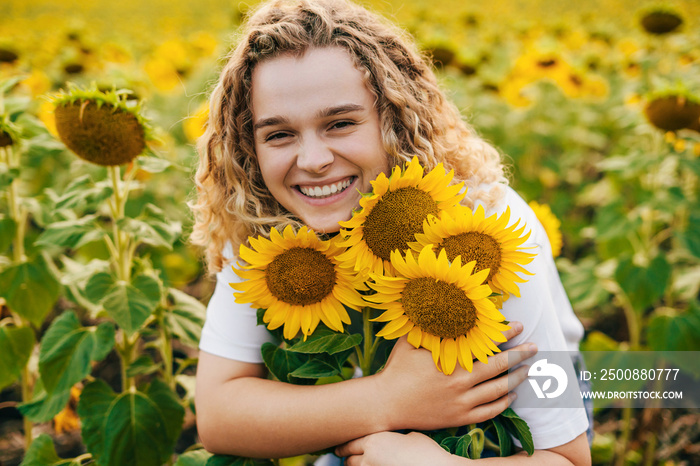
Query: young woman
{"points": [[317, 99]]}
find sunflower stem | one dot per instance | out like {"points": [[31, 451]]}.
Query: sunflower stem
{"points": [[123, 258], [367, 355], [477, 444]]}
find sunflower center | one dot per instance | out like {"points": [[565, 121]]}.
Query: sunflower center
{"points": [[300, 276], [474, 246], [395, 219], [439, 308]]}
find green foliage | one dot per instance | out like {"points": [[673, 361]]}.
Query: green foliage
{"points": [[131, 428], [43, 453], [16, 345], [30, 289], [129, 304]]}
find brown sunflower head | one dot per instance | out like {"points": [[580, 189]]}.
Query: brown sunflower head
{"points": [[8, 132], [660, 21], [101, 127], [672, 112]]}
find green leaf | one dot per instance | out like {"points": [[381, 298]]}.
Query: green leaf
{"points": [[518, 428], [152, 164], [67, 349], [152, 227], [43, 407], [30, 289], [643, 285], [16, 345], [143, 365], [129, 304], [194, 458], [83, 194], [326, 341], [7, 233], [281, 363], [458, 445], [133, 428], [505, 442], [690, 237], [185, 318], [222, 460], [43, 453], [7, 176], [675, 332], [315, 368], [612, 222], [71, 233]]}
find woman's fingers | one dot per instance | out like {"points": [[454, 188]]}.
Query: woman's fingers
{"points": [[515, 329], [501, 362], [353, 447]]}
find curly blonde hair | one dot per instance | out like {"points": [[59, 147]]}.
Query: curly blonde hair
{"points": [[415, 116]]}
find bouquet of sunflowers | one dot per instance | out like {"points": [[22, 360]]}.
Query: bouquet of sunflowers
{"points": [[411, 261]]}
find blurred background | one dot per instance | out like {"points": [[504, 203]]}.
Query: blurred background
{"points": [[595, 105]]}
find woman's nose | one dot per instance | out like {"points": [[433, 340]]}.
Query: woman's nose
{"points": [[314, 155]]}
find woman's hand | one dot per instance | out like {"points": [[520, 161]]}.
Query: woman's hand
{"points": [[415, 395], [390, 448]]}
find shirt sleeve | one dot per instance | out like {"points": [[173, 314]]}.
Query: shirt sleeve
{"points": [[549, 322], [230, 329]]}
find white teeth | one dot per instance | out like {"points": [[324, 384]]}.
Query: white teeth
{"points": [[325, 191]]}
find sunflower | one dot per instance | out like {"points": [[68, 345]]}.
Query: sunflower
{"points": [[298, 280], [101, 127], [394, 212], [442, 306], [551, 224], [489, 241]]}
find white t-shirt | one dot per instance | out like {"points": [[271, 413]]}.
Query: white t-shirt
{"points": [[230, 329]]}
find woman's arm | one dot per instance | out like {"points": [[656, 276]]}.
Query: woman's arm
{"points": [[240, 412], [390, 448]]}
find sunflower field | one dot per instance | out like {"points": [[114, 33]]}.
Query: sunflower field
{"points": [[595, 106]]}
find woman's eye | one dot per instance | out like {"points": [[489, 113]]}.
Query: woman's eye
{"points": [[342, 124], [275, 136]]}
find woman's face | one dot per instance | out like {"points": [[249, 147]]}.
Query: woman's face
{"points": [[317, 134]]}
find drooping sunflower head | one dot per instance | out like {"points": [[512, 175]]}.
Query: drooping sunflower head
{"points": [[101, 127], [394, 212], [672, 110], [495, 246], [9, 134], [441, 305], [660, 20], [551, 224], [298, 279]]}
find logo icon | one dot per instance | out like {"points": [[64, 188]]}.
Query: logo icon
{"points": [[543, 369]]}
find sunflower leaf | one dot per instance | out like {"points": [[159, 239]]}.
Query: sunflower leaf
{"points": [[43, 453], [643, 285], [281, 363], [517, 427], [16, 345], [129, 304], [222, 460], [315, 368], [67, 350], [194, 458], [83, 194], [71, 233], [30, 289], [505, 442], [7, 233], [185, 317], [132, 428], [326, 341], [669, 332], [457, 445]]}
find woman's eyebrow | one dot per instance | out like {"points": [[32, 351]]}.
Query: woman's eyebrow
{"points": [[272, 121], [339, 110]]}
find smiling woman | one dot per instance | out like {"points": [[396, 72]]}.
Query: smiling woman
{"points": [[317, 102]]}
